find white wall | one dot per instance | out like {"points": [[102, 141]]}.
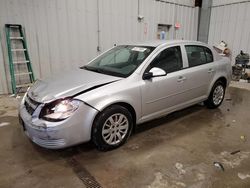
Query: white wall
{"points": [[62, 34], [3, 84], [230, 22], [227, 2]]}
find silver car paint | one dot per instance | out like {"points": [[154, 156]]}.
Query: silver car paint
{"points": [[125, 90], [54, 135], [69, 84], [149, 98], [196, 87]]}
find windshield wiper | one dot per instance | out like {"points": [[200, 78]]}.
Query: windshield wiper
{"points": [[102, 71], [92, 69]]}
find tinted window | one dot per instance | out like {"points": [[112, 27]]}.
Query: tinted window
{"points": [[198, 55], [169, 59], [209, 55]]}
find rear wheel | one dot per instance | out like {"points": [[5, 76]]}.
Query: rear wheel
{"points": [[112, 127], [216, 95]]}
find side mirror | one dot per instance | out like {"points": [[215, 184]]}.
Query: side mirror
{"points": [[147, 75], [154, 72]]}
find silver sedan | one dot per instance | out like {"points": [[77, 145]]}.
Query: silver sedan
{"points": [[125, 86]]}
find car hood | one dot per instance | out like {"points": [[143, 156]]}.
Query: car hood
{"points": [[68, 84]]}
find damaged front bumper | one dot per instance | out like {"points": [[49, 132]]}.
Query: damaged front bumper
{"points": [[55, 135]]}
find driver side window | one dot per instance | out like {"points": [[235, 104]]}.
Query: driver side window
{"points": [[170, 60]]}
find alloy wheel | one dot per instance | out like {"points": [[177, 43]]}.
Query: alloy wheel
{"points": [[115, 129], [218, 94]]}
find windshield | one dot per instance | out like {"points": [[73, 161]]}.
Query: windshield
{"points": [[120, 61]]}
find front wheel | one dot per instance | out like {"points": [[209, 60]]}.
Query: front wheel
{"points": [[216, 95], [112, 127]]}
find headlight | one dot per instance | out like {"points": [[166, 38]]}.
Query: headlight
{"points": [[59, 110]]}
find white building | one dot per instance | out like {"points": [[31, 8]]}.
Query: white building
{"points": [[230, 22], [62, 34]]}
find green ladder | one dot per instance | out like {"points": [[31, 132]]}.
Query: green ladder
{"points": [[21, 72]]}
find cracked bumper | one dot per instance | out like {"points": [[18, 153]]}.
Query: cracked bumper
{"points": [[55, 135]]}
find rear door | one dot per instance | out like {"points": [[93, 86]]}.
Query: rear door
{"points": [[200, 73]]}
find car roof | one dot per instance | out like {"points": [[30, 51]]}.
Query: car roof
{"points": [[156, 43]]}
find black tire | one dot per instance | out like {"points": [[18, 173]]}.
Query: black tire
{"points": [[210, 102], [101, 121]]}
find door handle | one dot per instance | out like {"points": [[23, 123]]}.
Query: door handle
{"points": [[210, 70], [181, 79]]}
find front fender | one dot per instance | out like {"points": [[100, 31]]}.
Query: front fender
{"points": [[103, 97]]}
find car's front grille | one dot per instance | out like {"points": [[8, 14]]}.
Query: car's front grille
{"points": [[30, 105]]}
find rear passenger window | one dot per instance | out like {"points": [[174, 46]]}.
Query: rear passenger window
{"points": [[209, 55], [169, 60], [198, 55]]}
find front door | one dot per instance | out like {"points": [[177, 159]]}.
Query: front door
{"points": [[160, 94]]}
